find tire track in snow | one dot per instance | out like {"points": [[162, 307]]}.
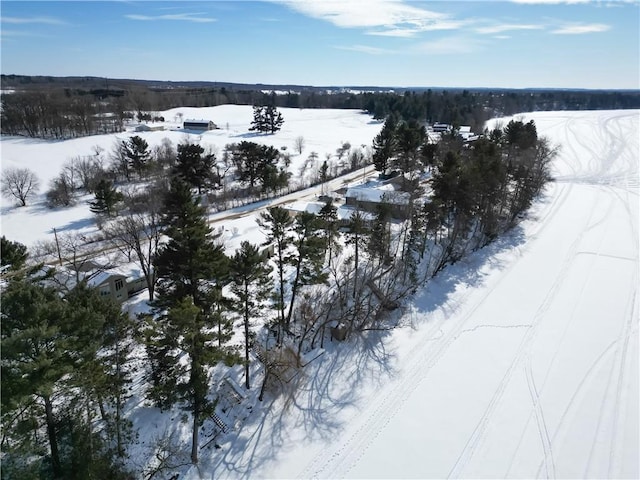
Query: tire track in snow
{"points": [[479, 432], [418, 364], [348, 453], [625, 335], [537, 411], [618, 417], [420, 361], [543, 431], [610, 178]]}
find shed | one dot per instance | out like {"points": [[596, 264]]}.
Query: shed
{"points": [[199, 125], [149, 128]]}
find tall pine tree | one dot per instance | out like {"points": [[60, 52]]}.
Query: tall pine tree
{"points": [[251, 284], [194, 166], [192, 270], [278, 224], [308, 260], [137, 151], [384, 146]]}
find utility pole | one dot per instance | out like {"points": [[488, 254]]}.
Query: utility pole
{"points": [[55, 234]]}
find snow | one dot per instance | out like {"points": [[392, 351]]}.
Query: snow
{"points": [[519, 361], [324, 131], [378, 194]]}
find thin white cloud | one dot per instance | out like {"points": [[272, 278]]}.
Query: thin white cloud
{"points": [[185, 17], [578, 29], [448, 46], [507, 27], [33, 20], [605, 3], [395, 32], [383, 17], [550, 2], [365, 49], [410, 32], [10, 34]]}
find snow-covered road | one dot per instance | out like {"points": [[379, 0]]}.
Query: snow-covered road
{"points": [[521, 361]]}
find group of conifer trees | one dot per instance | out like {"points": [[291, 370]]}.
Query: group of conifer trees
{"points": [[66, 364], [65, 374], [476, 190]]}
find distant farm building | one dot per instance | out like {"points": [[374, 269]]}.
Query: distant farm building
{"points": [[441, 127], [149, 128], [199, 125], [435, 132]]}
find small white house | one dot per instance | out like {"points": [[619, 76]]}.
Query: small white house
{"points": [[116, 283], [368, 199]]}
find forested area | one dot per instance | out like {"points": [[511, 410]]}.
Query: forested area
{"points": [[69, 356], [50, 109]]}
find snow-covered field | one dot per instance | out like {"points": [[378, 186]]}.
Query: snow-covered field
{"points": [[520, 361], [324, 131]]}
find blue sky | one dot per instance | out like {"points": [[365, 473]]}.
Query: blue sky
{"points": [[519, 43]]}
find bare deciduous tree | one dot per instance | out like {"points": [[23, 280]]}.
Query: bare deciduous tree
{"points": [[299, 144], [139, 232], [20, 183]]}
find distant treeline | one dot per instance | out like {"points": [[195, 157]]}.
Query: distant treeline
{"points": [[52, 107]]}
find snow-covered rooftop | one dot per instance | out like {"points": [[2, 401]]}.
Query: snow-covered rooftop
{"points": [[384, 193], [309, 207]]}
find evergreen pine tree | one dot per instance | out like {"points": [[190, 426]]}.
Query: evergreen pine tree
{"points": [[188, 262], [137, 151], [384, 146], [273, 119], [251, 283], [278, 224], [308, 259], [379, 241], [194, 167], [258, 123], [357, 234], [192, 270], [329, 221], [53, 344], [106, 199], [266, 119], [409, 139], [12, 254], [34, 356]]}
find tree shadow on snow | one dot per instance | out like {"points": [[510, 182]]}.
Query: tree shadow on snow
{"points": [[339, 380], [469, 271], [249, 135], [77, 224], [329, 386]]}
